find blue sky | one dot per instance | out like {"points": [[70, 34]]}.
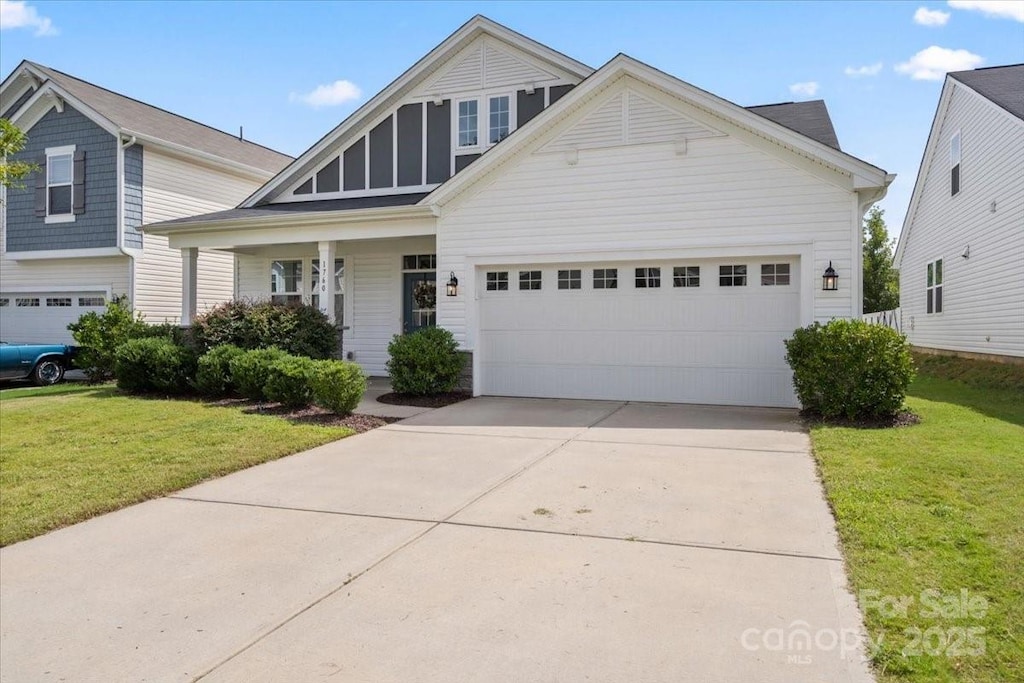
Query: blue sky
{"points": [[878, 65]]}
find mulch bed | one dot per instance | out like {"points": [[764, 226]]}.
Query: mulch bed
{"points": [[313, 415], [904, 418], [432, 401]]}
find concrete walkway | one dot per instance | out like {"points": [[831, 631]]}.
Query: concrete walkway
{"points": [[493, 540]]}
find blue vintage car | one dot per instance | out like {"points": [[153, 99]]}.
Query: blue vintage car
{"points": [[42, 363]]}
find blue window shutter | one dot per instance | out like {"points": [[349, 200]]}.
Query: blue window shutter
{"points": [[78, 193], [40, 201]]}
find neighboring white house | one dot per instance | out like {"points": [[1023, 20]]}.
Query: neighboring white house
{"points": [[614, 233], [70, 239], [961, 252]]}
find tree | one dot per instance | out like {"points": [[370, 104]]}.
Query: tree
{"points": [[881, 279], [12, 171]]}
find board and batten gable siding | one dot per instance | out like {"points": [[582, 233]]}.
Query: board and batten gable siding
{"points": [[373, 286], [173, 187], [983, 295], [97, 227], [723, 192]]}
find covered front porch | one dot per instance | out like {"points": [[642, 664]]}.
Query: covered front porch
{"points": [[373, 273]]}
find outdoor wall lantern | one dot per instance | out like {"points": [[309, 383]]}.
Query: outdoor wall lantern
{"points": [[453, 284], [830, 281]]}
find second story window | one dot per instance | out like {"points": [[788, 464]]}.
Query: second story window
{"points": [[468, 125], [954, 164], [59, 176], [498, 129]]}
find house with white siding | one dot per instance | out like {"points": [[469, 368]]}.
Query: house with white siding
{"points": [[961, 251], [610, 233], [106, 164]]}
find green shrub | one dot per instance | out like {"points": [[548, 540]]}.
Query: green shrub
{"points": [[213, 374], [154, 364], [849, 368], [297, 329], [338, 386], [424, 362], [249, 371], [289, 382], [100, 334]]}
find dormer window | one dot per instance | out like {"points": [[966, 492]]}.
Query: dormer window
{"points": [[468, 123], [498, 129], [954, 164]]}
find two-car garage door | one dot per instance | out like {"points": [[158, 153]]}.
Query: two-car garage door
{"points": [[43, 317], [686, 331]]}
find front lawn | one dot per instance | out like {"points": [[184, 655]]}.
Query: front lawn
{"points": [[930, 517], [70, 452]]}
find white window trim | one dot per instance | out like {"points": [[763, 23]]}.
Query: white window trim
{"points": [[511, 116], [458, 146], [64, 150], [959, 159], [937, 285]]}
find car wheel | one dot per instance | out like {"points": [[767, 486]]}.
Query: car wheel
{"points": [[48, 372]]}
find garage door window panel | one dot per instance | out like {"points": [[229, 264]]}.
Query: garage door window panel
{"points": [[606, 278], [774, 274], [648, 278], [91, 301], [59, 301], [732, 276], [26, 302], [570, 279], [686, 276], [497, 281], [529, 280]]}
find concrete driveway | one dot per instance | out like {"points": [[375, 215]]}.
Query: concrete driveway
{"points": [[494, 540]]}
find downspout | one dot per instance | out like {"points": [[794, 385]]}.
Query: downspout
{"points": [[122, 146], [865, 202]]}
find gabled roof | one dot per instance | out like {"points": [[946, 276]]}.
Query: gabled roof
{"points": [[807, 118], [1003, 82], [1003, 85], [468, 32], [134, 117], [864, 174]]}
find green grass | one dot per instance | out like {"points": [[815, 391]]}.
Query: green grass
{"points": [[938, 506], [70, 452]]}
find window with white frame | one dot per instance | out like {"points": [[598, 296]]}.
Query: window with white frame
{"points": [[933, 291], [60, 171], [954, 164], [497, 281], [337, 285], [419, 262], [732, 276], [686, 276], [606, 278], [774, 274], [27, 302], [59, 301], [499, 121], [529, 279], [91, 301], [648, 278], [286, 282], [570, 279], [5, 301], [468, 123]]}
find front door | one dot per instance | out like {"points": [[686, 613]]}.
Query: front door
{"points": [[419, 301]]}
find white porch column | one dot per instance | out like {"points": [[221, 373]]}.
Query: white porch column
{"points": [[325, 287], [189, 263]]}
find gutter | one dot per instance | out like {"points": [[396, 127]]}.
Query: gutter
{"points": [[132, 254], [297, 219]]}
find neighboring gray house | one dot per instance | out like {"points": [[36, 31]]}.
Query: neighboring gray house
{"points": [[615, 233], [961, 252], [70, 239]]}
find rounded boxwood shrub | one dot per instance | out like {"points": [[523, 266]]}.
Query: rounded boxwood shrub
{"points": [[296, 328], [249, 371], [289, 382], [99, 335], [850, 368], [424, 362], [213, 374], [338, 385], [154, 364]]}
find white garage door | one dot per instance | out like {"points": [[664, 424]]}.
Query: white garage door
{"points": [[43, 317], [688, 332]]}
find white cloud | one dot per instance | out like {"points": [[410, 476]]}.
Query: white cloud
{"points": [[930, 17], [807, 89], [330, 95], [862, 71], [932, 63], [19, 14], [995, 9]]}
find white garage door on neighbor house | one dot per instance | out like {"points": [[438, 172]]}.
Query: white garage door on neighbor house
{"points": [[43, 317], [697, 331]]}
